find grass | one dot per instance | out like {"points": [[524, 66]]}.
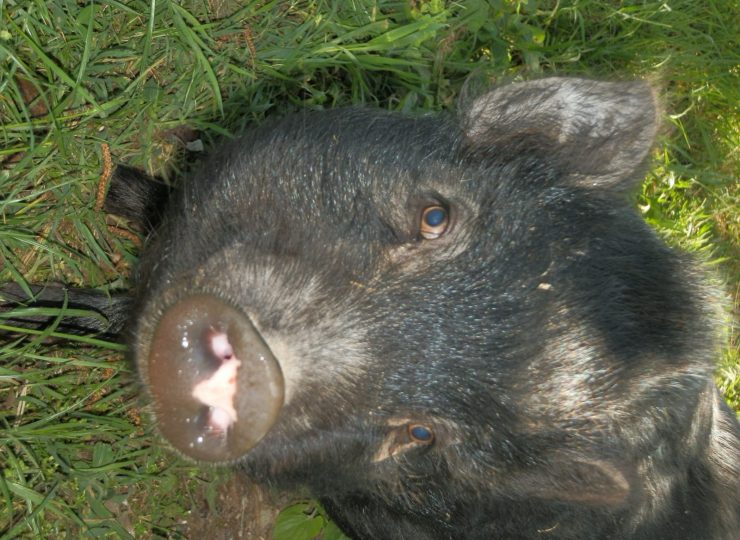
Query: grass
{"points": [[151, 79]]}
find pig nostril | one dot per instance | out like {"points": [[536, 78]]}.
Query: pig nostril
{"points": [[216, 386], [219, 421], [219, 344]]}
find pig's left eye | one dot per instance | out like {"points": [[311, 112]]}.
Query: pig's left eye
{"points": [[421, 434], [435, 220]]}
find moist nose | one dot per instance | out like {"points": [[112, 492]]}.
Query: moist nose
{"points": [[217, 387]]}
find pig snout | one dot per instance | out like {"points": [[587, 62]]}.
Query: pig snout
{"points": [[216, 386]]}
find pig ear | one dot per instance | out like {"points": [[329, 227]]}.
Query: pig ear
{"points": [[137, 197], [593, 482], [39, 308], [596, 133]]}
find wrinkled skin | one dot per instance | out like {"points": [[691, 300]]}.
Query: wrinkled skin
{"points": [[443, 326]]}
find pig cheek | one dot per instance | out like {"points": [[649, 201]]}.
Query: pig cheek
{"points": [[216, 386]]}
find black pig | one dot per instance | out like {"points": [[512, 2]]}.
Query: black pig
{"points": [[444, 327]]}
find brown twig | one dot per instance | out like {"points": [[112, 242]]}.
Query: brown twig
{"points": [[125, 233], [249, 38], [104, 177]]}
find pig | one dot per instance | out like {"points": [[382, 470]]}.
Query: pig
{"points": [[443, 326]]}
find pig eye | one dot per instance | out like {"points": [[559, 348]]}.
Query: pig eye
{"points": [[421, 434], [434, 221]]}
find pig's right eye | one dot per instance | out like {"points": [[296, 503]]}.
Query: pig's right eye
{"points": [[435, 220]]}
